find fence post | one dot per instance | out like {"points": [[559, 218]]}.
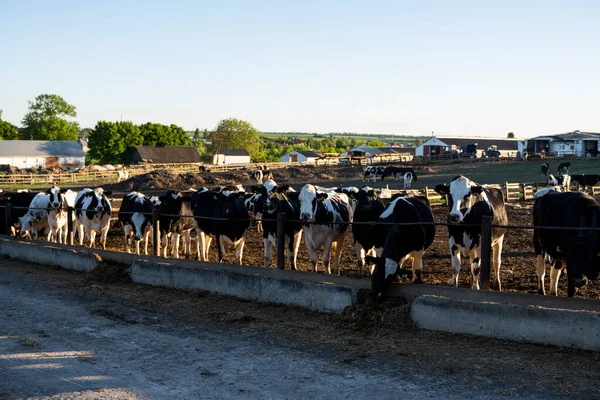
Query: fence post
{"points": [[70, 233], [427, 192], [7, 212], [156, 232], [507, 190], [486, 251], [281, 240]]}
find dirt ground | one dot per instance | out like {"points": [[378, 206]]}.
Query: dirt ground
{"points": [[175, 344]]}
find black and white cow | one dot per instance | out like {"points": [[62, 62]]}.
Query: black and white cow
{"points": [[326, 217], [564, 168], [403, 242], [282, 200], [408, 178], [176, 219], [224, 216], [19, 202], [585, 180], [35, 219], [578, 250], [468, 203], [60, 200], [399, 172], [135, 216], [373, 173], [545, 168], [563, 181], [93, 212]]}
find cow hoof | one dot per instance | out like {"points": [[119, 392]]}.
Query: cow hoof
{"points": [[418, 281], [497, 286]]}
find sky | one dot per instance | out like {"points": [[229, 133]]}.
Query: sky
{"points": [[402, 67]]}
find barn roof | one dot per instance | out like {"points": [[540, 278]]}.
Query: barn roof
{"points": [[233, 152], [483, 143], [170, 154], [41, 148], [575, 135], [308, 153]]}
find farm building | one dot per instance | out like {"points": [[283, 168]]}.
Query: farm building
{"points": [[42, 153], [308, 156], [379, 154], [574, 143], [165, 155], [447, 146], [231, 156]]}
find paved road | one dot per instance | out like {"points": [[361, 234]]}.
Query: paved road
{"points": [[56, 343]]}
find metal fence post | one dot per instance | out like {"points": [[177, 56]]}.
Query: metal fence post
{"points": [[70, 233], [486, 252], [281, 240], [156, 232], [8, 212]]}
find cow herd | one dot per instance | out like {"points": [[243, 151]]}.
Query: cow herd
{"points": [[387, 230]]}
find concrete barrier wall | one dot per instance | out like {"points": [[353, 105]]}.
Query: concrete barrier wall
{"points": [[49, 255], [570, 328], [255, 285]]}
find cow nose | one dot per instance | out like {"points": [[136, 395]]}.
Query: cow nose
{"points": [[305, 217], [55, 204], [453, 218]]}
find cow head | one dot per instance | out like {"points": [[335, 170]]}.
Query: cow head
{"points": [[579, 258], [231, 203], [461, 194], [272, 199], [383, 272], [102, 204], [309, 198], [56, 197]]}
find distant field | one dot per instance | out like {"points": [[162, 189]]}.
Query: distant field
{"points": [[382, 138]]}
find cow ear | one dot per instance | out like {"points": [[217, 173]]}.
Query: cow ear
{"points": [[322, 196], [108, 192], [284, 188], [476, 189], [442, 189]]}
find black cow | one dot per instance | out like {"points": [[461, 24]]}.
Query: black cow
{"points": [[281, 200], [367, 238], [468, 203], [135, 216], [398, 173], [585, 180], [19, 202], [176, 218], [577, 249], [209, 205], [403, 242], [563, 168], [545, 168]]}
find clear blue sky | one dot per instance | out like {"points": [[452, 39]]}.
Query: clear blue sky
{"points": [[405, 67]]}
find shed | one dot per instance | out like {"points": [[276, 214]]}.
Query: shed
{"points": [[308, 156], [576, 143], [165, 155], [42, 153], [231, 156]]}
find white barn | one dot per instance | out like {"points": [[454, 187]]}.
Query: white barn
{"points": [[231, 156], [308, 156], [575, 143], [42, 153]]}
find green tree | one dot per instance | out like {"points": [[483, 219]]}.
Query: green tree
{"points": [[47, 119], [197, 137], [418, 142], [164, 135], [510, 135], [7, 131], [234, 133], [112, 142]]}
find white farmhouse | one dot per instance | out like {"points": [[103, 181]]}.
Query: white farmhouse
{"points": [[42, 153], [307, 156], [231, 156]]}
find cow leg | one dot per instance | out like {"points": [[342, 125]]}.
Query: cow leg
{"points": [[104, 235], [267, 244], [208, 242], [455, 257], [475, 259], [360, 256], [417, 266], [127, 229], [175, 245], [187, 244], [239, 249], [555, 271], [259, 227], [220, 248], [338, 254], [497, 261], [296, 246], [80, 229], [312, 249], [329, 246], [92, 238], [165, 244], [540, 270]]}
